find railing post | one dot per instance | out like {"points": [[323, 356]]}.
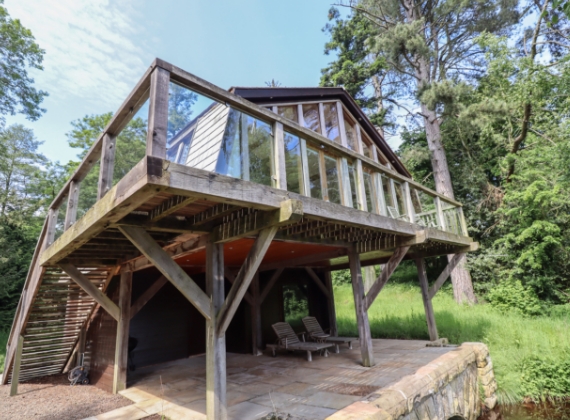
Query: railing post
{"points": [[306, 184], [51, 226], [409, 202], [462, 221], [158, 113], [341, 126], [107, 165], [360, 191], [322, 118], [439, 211], [72, 202], [279, 174], [345, 183]]}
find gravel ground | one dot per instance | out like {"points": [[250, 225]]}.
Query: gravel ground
{"points": [[51, 398]]}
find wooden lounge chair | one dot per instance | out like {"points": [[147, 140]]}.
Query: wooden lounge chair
{"points": [[287, 339], [315, 332]]}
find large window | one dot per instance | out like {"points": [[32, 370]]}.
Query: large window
{"points": [[331, 172], [247, 149], [350, 131], [314, 167], [331, 121], [289, 112], [311, 117]]}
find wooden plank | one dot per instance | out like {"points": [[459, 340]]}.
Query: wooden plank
{"points": [[364, 334], [430, 317], [280, 175], [16, 367], [322, 118], [409, 202], [385, 275], [216, 405], [341, 127], [274, 277], [462, 221], [306, 184], [360, 191], [244, 277], [305, 259], [107, 165], [317, 281], [439, 211], [96, 294], [158, 113], [81, 346], [72, 201], [147, 295], [122, 342], [330, 304], [231, 278], [172, 271], [345, 186], [445, 274]]}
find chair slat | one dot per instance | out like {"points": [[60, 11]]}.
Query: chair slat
{"points": [[312, 325]]}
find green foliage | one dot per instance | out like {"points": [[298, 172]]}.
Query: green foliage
{"points": [[512, 338], [544, 378], [340, 277], [3, 341], [18, 52], [513, 296]]}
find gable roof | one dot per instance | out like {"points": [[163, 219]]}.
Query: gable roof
{"points": [[271, 95]]}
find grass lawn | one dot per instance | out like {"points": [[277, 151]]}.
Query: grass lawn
{"points": [[398, 313], [3, 341]]}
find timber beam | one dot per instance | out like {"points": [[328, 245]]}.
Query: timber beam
{"points": [[170, 206], [172, 271], [445, 274], [244, 278], [147, 295], [385, 275], [274, 277], [89, 288]]}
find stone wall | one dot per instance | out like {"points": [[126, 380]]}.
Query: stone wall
{"points": [[453, 385]]}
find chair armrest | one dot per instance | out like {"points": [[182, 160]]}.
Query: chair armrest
{"points": [[302, 335]]}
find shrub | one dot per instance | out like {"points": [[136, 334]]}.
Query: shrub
{"points": [[513, 296], [545, 378]]}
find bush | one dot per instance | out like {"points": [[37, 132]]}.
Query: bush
{"points": [[513, 296], [545, 378]]}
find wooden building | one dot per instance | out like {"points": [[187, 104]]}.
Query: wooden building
{"points": [[239, 197]]}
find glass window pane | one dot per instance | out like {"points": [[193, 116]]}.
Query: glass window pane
{"points": [[289, 112], [314, 174], [352, 179], [260, 142], [311, 117], [293, 163], [366, 146], [401, 203], [390, 207], [331, 122], [369, 191], [333, 187], [350, 134], [246, 149]]}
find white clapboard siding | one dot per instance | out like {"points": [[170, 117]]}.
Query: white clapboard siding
{"points": [[207, 141]]}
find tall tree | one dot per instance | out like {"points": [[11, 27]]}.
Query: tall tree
{"points": [[431, 48], [18, 52]]}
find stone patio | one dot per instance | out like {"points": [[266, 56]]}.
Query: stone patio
{"points": [[287, 383]]}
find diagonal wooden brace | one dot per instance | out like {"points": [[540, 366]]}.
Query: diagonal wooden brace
{"points": [[385, 275], [445, 274], [244, 278], [89, 288], [318, 281], [147, 295], [172, 271]]}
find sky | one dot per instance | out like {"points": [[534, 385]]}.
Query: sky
{"points": [[97, 50]]}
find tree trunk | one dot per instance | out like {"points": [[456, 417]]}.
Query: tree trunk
{"points": [[460, 277]]}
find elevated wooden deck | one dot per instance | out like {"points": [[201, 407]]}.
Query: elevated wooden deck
{"points": [[185, 220]]}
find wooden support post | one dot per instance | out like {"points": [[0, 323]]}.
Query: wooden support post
{"points": [[369, 277], [122, 342], [89, 288], [172, 271], [330, 305], [16, 366], [72, 200], [231, 278], [384, 276], [158, 113], [279, 174], [107, 166], [255, 308], [364, 334], [430, 317], [216, 408]]}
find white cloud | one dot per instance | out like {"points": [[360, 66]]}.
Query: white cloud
{"points": [[93, 48]]}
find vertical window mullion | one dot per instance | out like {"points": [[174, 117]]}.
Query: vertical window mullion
{"points": [[341, 126], [323, 172], [345, 183], [244, 146], [306, 184], [380, 194]]}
